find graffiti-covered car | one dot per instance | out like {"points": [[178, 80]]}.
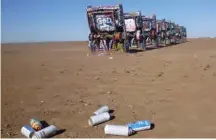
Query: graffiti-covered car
{"points": [[133, 25], [183, 34], [149, 31], [163, 32], [173, 39], [178, 34], [107, 28]]}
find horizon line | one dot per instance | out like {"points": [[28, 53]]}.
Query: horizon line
{"points": [[43, 42], [71, 41]]}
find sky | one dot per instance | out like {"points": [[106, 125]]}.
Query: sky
{"points": [[65, 20]]}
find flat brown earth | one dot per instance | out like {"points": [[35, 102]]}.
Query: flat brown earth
{"points": [[174, 87]]}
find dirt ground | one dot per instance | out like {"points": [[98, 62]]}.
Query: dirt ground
{"points": [[173, 87]]}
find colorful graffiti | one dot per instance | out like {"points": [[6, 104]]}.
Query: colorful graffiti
{"points": [[112, 29], [130, 25], [105, 23]]}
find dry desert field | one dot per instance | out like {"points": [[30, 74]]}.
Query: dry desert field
{"points": [[173, 87]]}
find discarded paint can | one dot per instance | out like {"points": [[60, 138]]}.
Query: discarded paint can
{"points": [[101, 110], [118, 130], [45, 132], [97, 119], [140, 125], [27, 131], [35, 124]]}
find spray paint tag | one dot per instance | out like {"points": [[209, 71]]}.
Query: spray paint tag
{"points": [[140, 125], [130, 25], [105, 23]]}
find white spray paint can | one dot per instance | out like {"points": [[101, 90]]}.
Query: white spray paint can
{"points": [[27, 131], [101, 110], [118, 130], [45, 132], [97, 119]]}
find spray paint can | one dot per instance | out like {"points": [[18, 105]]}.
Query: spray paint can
{"points": [[118, 130], [45, 132], [35, 124], [101, 110], [27, 131], [97, 119], [140, 125]]}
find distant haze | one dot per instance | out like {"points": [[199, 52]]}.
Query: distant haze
{"points": [[65, 20]]}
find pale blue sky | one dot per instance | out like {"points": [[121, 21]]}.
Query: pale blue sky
{"points": [[65, 20]]}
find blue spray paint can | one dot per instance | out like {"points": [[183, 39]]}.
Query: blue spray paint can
{"points": [[140, 125]]}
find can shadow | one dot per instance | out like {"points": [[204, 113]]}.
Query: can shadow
{"points": [[152, 126], [111, 111], [44, 124], [112, 118], [60, 131]]}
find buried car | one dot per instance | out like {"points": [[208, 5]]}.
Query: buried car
{"points": [[183, 34], [133, 25], [149, 31], [163, 32], [173, 39], [107, 28], [178, 34]]}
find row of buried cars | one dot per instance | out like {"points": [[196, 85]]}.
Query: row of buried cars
{"points": [[112, 29]]}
